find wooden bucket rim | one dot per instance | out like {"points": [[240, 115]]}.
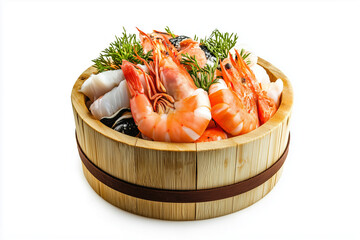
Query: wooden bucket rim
{"points": [[284, 110]]}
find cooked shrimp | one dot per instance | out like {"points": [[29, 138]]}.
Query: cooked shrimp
{"points": [[191, 47], [212, 134], [190, 115], [266, 105], [236, 115], [186, 46], [145, 42]]}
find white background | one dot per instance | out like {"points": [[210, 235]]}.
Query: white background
{"points": [[46, 45]]}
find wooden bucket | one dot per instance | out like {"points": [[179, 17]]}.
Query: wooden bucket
{"points": [[187, 181]]}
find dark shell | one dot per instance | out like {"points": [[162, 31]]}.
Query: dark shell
{"points": [[127, 126], [176, 41], [109, 121], [209, 55], [122, 121]]}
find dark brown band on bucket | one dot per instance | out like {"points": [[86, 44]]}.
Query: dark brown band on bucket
{"points": [[182, 196]]}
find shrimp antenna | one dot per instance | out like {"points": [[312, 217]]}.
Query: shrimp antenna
{"points": [[144, 61], [172, 51], [246, 72], [147, 36]]}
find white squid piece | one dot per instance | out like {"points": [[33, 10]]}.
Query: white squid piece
{"points": [[115, 99], [274, 90], [260, 74], [111, 102], [99, 84]]}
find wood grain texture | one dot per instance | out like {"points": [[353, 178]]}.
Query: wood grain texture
{"points": [[183, 166], [216, 168]]}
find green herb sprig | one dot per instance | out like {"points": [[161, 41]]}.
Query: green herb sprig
{"points": [[167, 29], [220, 43], [203, 77], [245, 56], [123, 47]]}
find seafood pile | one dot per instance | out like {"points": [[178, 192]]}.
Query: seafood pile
{"points": [[173, 88]]}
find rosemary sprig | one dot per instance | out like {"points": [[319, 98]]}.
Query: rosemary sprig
{"points": [[123, 47], [167, 29], [220, 43], [203, 77]]}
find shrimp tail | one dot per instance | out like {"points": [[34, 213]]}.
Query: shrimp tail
{"points": [[266, 106], [132, 78]]}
